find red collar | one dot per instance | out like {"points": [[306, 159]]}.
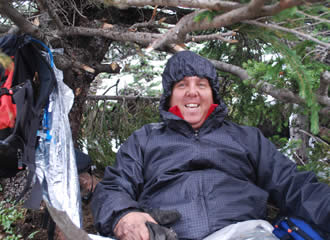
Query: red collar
{"points": [[176, 111]]}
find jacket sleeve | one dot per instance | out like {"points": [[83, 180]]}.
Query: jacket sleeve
{"points": [[294, 192], [121, 185]]}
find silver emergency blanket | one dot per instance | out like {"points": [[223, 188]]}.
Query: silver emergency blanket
{"points": [[247, 230], [55, 158]]}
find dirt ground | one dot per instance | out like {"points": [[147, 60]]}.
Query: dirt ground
{"points": [[35, 221]]}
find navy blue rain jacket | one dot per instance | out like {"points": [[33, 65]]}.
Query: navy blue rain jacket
{"points": [[217, 175]]}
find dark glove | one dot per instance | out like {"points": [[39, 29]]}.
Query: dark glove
{"points": [[158, 232], [164, 217]]}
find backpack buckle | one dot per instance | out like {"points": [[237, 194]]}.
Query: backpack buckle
{"points": [[5, 91]]}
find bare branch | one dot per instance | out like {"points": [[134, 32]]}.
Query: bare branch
{"points": [[108, 68], [316, 138], [225, 67], [188, 24], [307, 26], [204, 4], [314, 17], [139, 37], [303, 35], [48, 6], [299, 158], [283, 94], [63, 62], [27, 27], [325, 33], [216, 36], [150, 23], [128, 98]]}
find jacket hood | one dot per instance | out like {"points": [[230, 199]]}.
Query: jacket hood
{"points": [[184, 64]]}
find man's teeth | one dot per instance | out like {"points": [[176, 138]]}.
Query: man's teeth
{"points": [[192, 105]]}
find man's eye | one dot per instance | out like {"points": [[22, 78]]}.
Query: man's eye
{"points": [[180, 85], [202, 85]]}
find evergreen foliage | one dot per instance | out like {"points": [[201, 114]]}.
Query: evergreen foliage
{"points": [[107, 124]]}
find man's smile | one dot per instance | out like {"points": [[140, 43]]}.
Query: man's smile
{"points": [[192, 105]]}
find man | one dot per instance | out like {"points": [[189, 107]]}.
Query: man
{"points": [[212, 171]]}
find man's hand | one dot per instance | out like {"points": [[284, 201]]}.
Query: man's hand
{"points": [[132, 226]]}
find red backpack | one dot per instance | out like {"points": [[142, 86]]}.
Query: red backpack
{"points": [[25, 89], [7, 107]]}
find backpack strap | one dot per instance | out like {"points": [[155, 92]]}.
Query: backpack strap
{"points": [[297, 229], [294, 228]]}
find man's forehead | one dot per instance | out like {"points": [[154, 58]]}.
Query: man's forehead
{"points": [[194, 78]]}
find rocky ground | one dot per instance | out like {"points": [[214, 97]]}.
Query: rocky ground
{"points": [[34, 221]]}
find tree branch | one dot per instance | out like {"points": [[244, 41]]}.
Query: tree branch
{"points": [[63, 62], [188, 24], [225, 67], [48, 6], [303, 35], [216, 36], [316, 138], [314, 17], [283, 94], [139, 37], [128, 98], [24, 25], [204, 4]]}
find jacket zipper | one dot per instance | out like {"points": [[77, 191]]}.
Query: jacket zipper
{"points": [[196, 133]]}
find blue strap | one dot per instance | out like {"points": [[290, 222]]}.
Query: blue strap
{"points": [[46, 113], [48, 50]]}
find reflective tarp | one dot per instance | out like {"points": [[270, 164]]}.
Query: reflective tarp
{"points": [[55, 157]]}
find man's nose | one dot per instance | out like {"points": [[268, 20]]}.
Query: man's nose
{"points": [[192, 91]]}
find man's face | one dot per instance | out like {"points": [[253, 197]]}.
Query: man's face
{"points": [[193, 96]]}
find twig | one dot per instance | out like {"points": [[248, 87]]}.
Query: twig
{"points": [[310, 53], [109, 88], [74, 6], [123, 98], [215, 5], [307, 26], [49, 7], [273, 26], [20, 21], [299, 158], [322, 33], [314, 17], [317, 139], [215, 36], [150, 23]]}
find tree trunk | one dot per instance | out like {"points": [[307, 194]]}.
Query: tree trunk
{"points": [[87, 50]]}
